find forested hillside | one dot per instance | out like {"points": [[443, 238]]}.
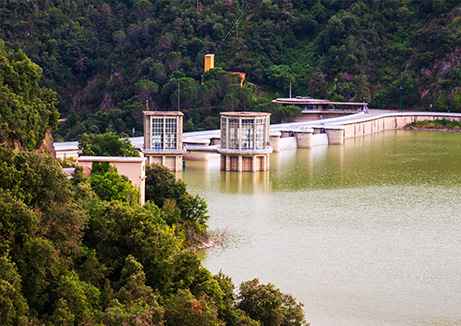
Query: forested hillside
{"points": [[82, 251], [106, 59]]}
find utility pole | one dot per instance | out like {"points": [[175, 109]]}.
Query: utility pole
{"points": [[238, 20], [401, 94], [237, 29], [178, 96], [290, 90]]}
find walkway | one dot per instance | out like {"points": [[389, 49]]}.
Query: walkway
{"points": [[354, 125]]}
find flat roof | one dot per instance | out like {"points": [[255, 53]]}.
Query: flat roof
{"points": [[163, 113], [246, 114], [118, 159], [308, 100]]}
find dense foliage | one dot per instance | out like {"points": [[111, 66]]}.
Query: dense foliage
{"points": [[107, 144], [69, 257], [27, 111], [81, 251], [108, 60], [111, 186], [264, 302], [188, 212]]}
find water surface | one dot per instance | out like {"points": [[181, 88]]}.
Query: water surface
{"points": [[365, 233]]}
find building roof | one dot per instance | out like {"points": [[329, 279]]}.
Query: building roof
{"points": [[117, 159], [163, 113], [309, 100], [246, 114]]}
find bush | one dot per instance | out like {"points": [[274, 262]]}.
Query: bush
{"points": [[265, 303]]}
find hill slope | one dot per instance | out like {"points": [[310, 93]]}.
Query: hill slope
{"points": [[106, 59]]}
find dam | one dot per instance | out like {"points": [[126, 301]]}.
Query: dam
{"points": [[305, 134]]}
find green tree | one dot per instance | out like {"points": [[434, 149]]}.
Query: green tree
{"points": [[62, 316], [111, 186], [27, 111], [81, 298], [146, 90], [265, 303], [280, 77], [185, 309], [17, 223], [117, 230], [162, 184], [108, 144], [35, 179], [13, 306]]}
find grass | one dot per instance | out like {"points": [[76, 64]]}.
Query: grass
{"points": [[437, 124]]}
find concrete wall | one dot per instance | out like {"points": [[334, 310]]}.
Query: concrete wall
{"points": [[173, 162], [245, 163], [334, 132], [288, 143], [195, 156], [293, 142], [390, 121], [320, 140], [308, 116]]}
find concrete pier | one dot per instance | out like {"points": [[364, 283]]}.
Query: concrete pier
{"points": [[304, 137], [335, 135]]}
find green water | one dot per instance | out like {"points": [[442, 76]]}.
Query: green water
{"points": [[367, 233]]}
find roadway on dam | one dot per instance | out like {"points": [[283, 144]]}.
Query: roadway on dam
{"points": [[355, 125]]}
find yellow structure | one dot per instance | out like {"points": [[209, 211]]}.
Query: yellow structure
{"points": [[209, 62], [242, 76], [245, 141]]}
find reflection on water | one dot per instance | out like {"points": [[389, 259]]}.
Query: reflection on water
{"points": [[367, 233], [246, 182]]}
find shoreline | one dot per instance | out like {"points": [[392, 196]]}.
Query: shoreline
{"points": [[432, 129], [203, 245]]}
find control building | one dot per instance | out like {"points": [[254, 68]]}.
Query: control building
{"points": [[245, 141], [163, 138]]}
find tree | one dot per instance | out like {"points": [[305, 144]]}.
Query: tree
{"points": [[37, 180], [162, 184], [117, 230], [13, 306], [280, 77], [142, 8], [27, 111], [17, 223], [81, 299], [265, 303], [111, 186], [185, 309], [146, 90], [108, 144], [279, 113]]}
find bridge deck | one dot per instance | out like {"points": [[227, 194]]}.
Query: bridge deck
{"points": [[366, 123]]}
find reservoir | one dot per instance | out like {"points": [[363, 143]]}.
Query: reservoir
{"points": [[365, 233]]}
